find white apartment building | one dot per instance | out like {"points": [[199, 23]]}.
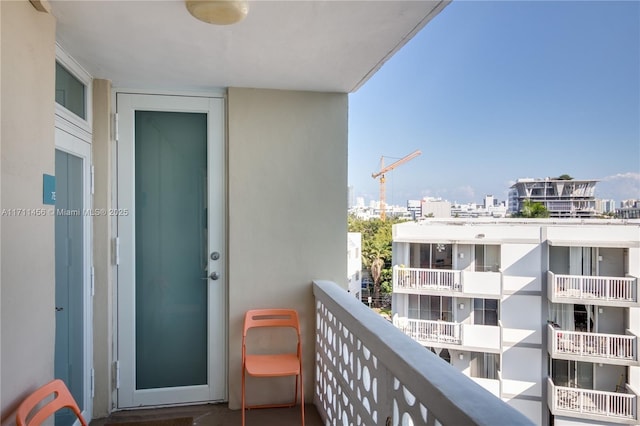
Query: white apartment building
{"points": [[542, 313], [354, 263]]}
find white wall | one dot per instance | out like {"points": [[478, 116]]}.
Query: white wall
{"points": [[27, 242], [287, 152]]}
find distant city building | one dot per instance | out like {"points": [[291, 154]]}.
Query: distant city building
{"points": [[351, 199], [491, 207], [415, 208], [562, 198], [432, 207], [543, 313], [354, 263], [629, 209], [605, 206]]}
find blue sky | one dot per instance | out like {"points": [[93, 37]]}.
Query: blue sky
{"points": [[492, 91]]}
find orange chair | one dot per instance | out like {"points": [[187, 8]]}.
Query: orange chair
{"points": [[62, 399], [272, 365]]}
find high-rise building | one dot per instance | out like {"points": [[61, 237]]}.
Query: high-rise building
{"points": [[570, 198], [544, 314]]}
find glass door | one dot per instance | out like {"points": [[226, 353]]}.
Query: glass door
{"points": [[171, 330], [72, 355]]}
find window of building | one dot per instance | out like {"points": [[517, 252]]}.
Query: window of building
{"points": [[434, 308], [485, 365], [70, 92], [487, 258], [485, 311]]}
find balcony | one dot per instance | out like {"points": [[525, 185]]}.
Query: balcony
{"points": [[603, 291], [368, 372], [482, 338], [612, 407], [443, 282], [593, 347]]}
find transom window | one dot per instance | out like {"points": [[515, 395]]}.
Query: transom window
{"points": [[70, 92]]}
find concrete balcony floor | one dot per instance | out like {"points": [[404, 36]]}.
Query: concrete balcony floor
{"points": [[217, 415]]}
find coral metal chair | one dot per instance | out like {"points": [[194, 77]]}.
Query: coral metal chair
{"points": [[62, 399], [272, 365]]}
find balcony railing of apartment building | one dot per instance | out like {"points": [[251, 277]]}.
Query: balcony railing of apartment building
{"points": [[420, 280], [609, 348], [368, 372], [613, 291], [428, 331], [449, 334], [593, 404]]}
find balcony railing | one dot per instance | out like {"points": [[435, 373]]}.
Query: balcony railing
{"points": [[427, 331], [447, 334], [431, 281], [618, 349], [593, 404], [420, 278], [614, 291], [370, 373]]}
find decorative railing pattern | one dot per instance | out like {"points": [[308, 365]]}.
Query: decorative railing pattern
{"points": [[430, 331], [594, 288], [369, 373], [611, 346], [614, 405], [425, 279]]}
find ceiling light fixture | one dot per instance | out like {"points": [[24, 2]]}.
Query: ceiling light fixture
{"points": [[219, 12]]}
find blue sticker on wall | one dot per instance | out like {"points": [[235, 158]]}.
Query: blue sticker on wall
{"points": [[49, 190]]}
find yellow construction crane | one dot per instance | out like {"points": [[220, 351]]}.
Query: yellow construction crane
{"points": [[384, 170]]}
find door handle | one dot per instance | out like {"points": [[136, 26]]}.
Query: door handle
{"points": [[58, 309], [212, 276]]}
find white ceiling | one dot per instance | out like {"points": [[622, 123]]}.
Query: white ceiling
{"points": [[328, 45]]}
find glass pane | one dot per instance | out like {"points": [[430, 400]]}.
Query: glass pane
{"points": [[171, 249], [424, 307], [70, 91], [479, 249], [69, 258]]}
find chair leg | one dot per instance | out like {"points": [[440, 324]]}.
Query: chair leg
{"points": [[301, 396], [243, 395]]}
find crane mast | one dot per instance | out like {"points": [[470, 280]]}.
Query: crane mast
{"points": [[384, 170]]}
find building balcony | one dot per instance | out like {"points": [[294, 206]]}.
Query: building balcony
{"points": [[601, 406], [593, 290], [443, 282], [593, 347], [368, 372], [479, 338]]}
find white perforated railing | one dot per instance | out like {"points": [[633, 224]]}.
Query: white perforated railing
{"points": [[623, 289], [367, 372], [611, 346]]}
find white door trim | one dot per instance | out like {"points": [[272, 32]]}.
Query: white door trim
{"points": [[75, 144], [127, 396]]}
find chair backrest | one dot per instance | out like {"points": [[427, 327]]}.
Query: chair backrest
{"points": [[61, 399], [271, 318]]}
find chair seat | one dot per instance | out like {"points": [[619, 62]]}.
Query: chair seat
{"points": [[272, 365]]}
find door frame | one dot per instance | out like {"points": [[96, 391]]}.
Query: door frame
{"points": [[214, 107], [81, 129]]}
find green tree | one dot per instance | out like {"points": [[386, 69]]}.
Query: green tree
{"points": [[532, 209], [376, 251], [564, 177]]}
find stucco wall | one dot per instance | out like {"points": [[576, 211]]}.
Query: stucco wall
{"points": [[102, 256], [28, 146], [287, 154]]}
